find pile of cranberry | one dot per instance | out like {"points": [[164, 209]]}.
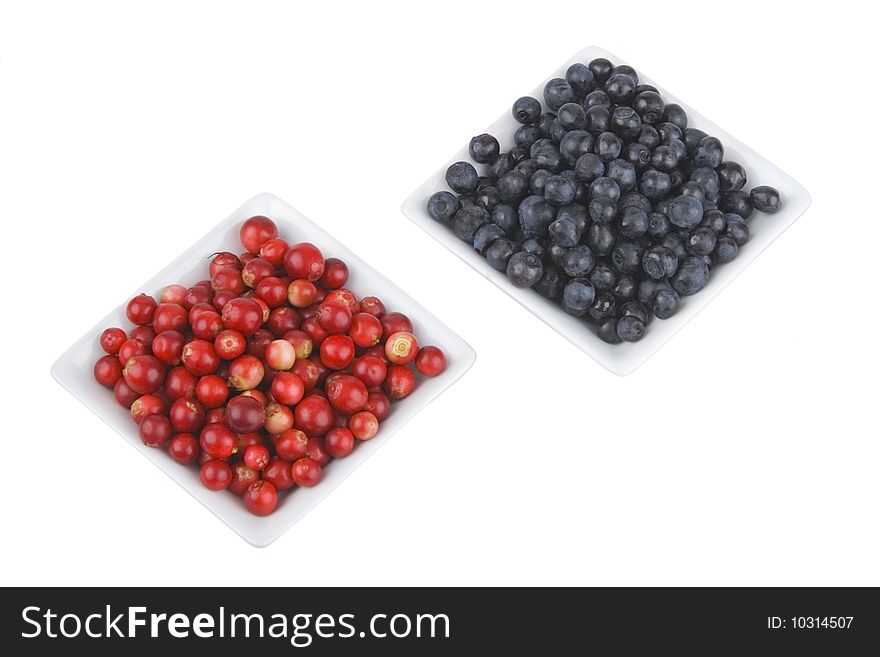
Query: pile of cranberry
{"points": [[265, 372]]}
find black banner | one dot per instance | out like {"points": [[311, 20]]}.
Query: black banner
{"points": [[439, 621]]}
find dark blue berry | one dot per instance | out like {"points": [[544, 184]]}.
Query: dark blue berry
{"points": [[462, 178], [714, 219], [559, 190], [664, 158], [607, 146], [659, 262], [692, 138], [578, 261], [499, 253], [589, 167], [548, 157], [468, 220], [506, 217], [538, 180], [637, 154], [603, 210], [627, 257], [578, 296], [526, 135], [731, 176], [485, 235], [572, 116], [604, 187], [524, 269], [597, 98], [633, 222], [527, 110], [648, 136], [551, 284], [484, 149], [633, 308], [630, 328], [726, 249], [623, 173], [502, 164], [601, 69], [707, 178], [737, 202], [650, 106], [575, 144], [607, 331], [709, 153], [736, 228], [666, 304], [765, 199], [598, 119], [580, 78], [535, 216], [655, 184], [603, 277], [512, 186], [620, 88], [649, 288], [701, 241], [575, 212], [625, 123], [673, 113], [691, 277], [564, 232], [487, 198], [442, 206], [685, 212], [557, 92], [601, 239], [658, 225], [535, 246], [603, 307]]}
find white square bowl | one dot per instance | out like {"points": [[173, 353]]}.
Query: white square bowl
{"points": [[73, 369], [623, 358]]}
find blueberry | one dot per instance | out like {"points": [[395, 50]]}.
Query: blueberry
{"points": [[685, 212], [607, 331], [578, 296], [527, 167], [625, 122], [564, 232], [666, 304], [648, 136], [485, 235], [714, 219], [625, 69], [655, 184], [603, 277], [607, 146], [557, 92], [578, 261], [694, 189], [676, 244], [506, 217], [726, 249], [691, 277], [620, 88], [487, 198], [589, 167], [557, 132], [484, 149], [650, 106], [535, 216], [707, 178], [709, 153], [604, 306], [527, 110], [701, 241], [601, 69], [538, 180], [597, 98], [737, 202], [603, 210], [548, 157], [692, 139], [557, 254], [499, 253], [658, 225], [624, 289], [659, 262], [575, 144], [634, 199], [524, 269], [535, 246], [676, 179], [598, 120], [648, 290], [601, 239], [623, 173], [673, 113], [765, 199], [502, 164], [545, 122], [512, 186], [604, 187], [637, 154], [551, 284], [731, 176], [633, 222], [442, 206], [668, 132], [575, 212], [559, 190], [680, 150], [468, 220], [630, 328], [664, 158], [517, 154], [633, 308], [462, 178], [572, 116], [526, 135], [627, 257], [580, 78], [737, 229]]}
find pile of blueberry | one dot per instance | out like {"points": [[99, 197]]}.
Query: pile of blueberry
{"points": [[607, 203]]}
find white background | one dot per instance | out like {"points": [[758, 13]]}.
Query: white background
{"points": [[744, 452]]}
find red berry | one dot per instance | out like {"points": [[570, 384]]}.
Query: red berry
{"points": [[366, 330], [261, 498], [229, 344], [197, 294], [216, 475], [292, 445], [124, 395], [279, 418], [346, 393], [430, 361], [144, 374], [245, 414], [216, 415], [273, 251], [255, 271], [173, 294], [304, 260], [243, 315], [314, 330], [339, 442], [187, 415], [147, 405], [242, 477], [277, 472], [184, 448], [334, 317], [169, 317], [306, 472], [307, 371], [112, 339], [180, 382], [313, 415], [143, 333], [199, 357], [302, 343], [224, 260], [132, 347], [345, 297], [284, 319], [378, 404], [227, 280], [364, 425], [155, 430], [168, 347], [400, 381], [257, 343], [256, 231], [108, 371], [288, 388], [335, 274], [337, 351], [394, 322], [256, 457], [246, 372], [401, 347], [207, 325], [272, 290], [218, 440], [140, 309], [212, 391], [221, 299], [373, 306], [369, 369]]}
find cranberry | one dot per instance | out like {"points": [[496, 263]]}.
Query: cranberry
{"points": [[147, 405], [335, 274], [345, 297], [307, 371], [400, 381], [366, 330], [306, 472], [245, 414], [246, 257], [180, 382], [143, 333], [256, 231], [112, 339], [124, 395], [144, 374], [346, 393], [373, 306], [242, 477], [255, 271], [430, 361], [216, 415], [187, 415], [302, 343], [394, 322], [199, 357], [132, 347], [256, 457], [245, 440], [184, 448], [215, 475], [378, 352], [273, 251], [282, 320], [207, 325], [292, 445], [199, 308], [257, 343], [169, 317], [228, 280], [108, 370], [229, 344], [337, 352], [401, 347], [212, 391], [339, 442], [224, 260], [323, 371], [314, 330], [272, 290], [261, 498], [173, 294], [155, 430], [218, 440], [304, 260], [334, 317], [288, 388], [197, 294], [301, 293], [317, 452], [246, 372], [313, 415], [279, 418], [378, 404], [221, 299], [277, 472], [369, 369], [140, 309], [364, 425], [168, 346], [258, 395], [243, 315]]}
